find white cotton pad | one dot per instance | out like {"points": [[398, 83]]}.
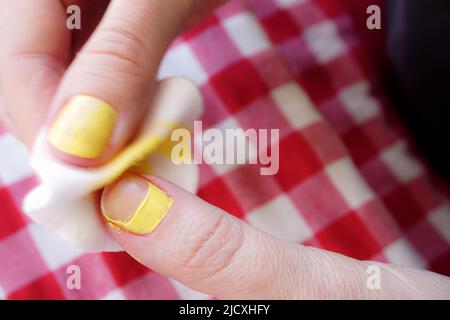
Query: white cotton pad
{"points": [[65, 199]]}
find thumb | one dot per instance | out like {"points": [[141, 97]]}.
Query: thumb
{"points": [[105, 91], [180, 236]]}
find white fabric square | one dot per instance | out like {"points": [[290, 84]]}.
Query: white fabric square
{"points": [[246, 33], [400, 163], [116, 294], [349, 183], [402, 253], [186, 293], [280, 218], [324, 41], [61, 251], [2, 293], [440, 219], [14, 160], [181, 62], [359, 103], [295, 105], [288, 3]]}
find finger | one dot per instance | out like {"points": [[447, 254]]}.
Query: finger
{"points": [[183, 237], [31, 61], [102, 96]]}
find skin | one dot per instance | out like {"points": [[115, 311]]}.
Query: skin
{"points": [[198, 244]]}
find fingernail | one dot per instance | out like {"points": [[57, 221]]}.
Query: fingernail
{"points": [[83, 127], [135, 204]]}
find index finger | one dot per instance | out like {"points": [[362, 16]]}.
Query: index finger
{"points": [[34, 43]]}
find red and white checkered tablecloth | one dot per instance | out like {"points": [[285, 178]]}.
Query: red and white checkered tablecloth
{"points": [[254, 61]]}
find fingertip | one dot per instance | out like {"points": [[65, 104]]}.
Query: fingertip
{"points": [[81, 132], [134, 204]]}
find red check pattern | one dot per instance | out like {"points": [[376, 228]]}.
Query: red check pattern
{"points": [[346, 180]]}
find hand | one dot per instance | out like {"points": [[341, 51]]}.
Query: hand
{"points": [[178, 235], [43, 65], [196, 243]]}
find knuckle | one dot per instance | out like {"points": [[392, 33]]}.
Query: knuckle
{"points": [[214, 249], [121, 49]]}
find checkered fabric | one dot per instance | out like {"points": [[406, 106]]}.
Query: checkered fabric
{"points": [[346, 180]]}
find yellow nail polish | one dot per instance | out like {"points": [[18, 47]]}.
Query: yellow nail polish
{"points": [[149, 213], [83, 127]]}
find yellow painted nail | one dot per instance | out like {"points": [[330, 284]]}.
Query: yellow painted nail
{"points": [[134, 204], [83, 127]]}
